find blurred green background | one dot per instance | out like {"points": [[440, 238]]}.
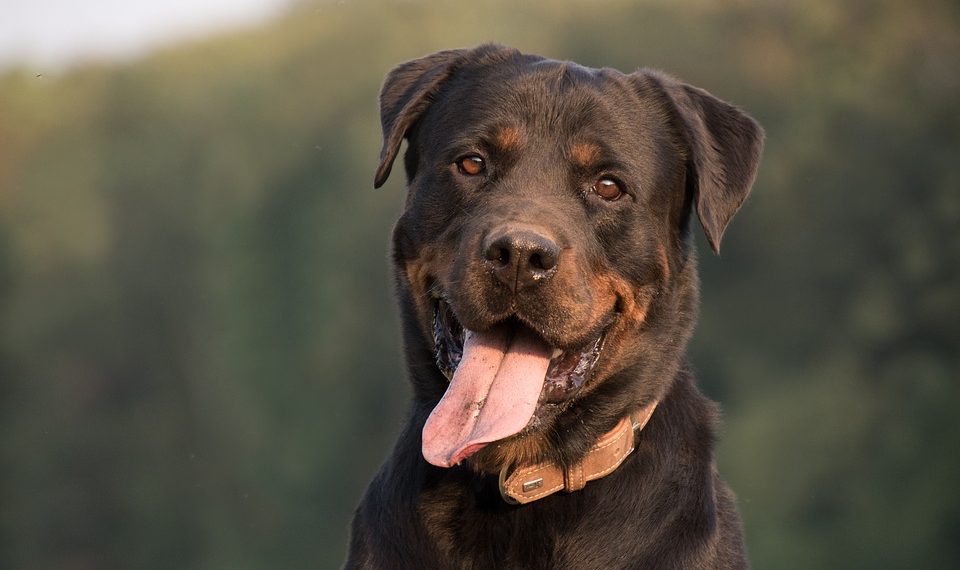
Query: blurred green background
{"points": [[199, 361]]}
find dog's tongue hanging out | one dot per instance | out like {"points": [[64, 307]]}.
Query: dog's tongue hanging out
{"points": [[492, 395]]}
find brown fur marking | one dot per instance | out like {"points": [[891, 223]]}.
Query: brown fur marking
{"points": [[585, 154], [508, 138]]}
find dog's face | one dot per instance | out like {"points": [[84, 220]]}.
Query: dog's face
{"points": [[543, 254]]}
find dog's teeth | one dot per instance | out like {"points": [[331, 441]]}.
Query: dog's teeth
{"points": [[556, 352]]}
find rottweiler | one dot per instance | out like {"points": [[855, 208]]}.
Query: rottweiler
{"points": [[547, 281]]}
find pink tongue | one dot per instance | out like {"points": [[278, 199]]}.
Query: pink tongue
{"points": [[492, 395]]}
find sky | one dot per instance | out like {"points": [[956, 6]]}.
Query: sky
{"points": [[53, 34]]}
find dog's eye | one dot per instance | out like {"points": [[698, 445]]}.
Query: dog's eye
{"points": [[608, 189], [470, 165]]}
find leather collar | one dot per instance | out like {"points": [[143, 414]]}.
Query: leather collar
{"points": [[527, 484]]}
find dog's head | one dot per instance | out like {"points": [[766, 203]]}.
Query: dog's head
{"points": [[544, 257]]}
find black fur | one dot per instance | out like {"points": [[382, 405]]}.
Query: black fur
{"points": [[627, 267]]}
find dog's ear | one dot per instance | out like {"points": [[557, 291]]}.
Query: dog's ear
{"points": [[725, 146], [405, 95]]}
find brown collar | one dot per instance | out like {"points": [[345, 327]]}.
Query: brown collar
{"points": [[527, 484]]}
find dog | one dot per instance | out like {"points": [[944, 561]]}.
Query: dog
{"points": [[547, 282]]}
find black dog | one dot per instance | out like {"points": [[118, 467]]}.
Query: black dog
{"points": [[548, 288]]}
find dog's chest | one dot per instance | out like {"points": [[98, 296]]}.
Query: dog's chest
{"points": [[471, 527]]}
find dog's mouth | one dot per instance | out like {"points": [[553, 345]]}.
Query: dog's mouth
{"points": [[499, 379], [567, 372]]}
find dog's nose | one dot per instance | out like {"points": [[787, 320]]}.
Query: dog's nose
{"points": [[521, 258]]}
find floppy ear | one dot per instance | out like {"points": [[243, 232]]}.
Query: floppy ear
{"points": [[725, 146], [405, 95]]}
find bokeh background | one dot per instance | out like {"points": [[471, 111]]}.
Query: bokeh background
{"points": [[199, 361]]}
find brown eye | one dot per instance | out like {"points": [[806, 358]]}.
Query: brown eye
{"points": [[470, 165], [608, 189]]}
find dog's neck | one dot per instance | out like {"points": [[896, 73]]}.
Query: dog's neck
{"points": [[528, 483]]}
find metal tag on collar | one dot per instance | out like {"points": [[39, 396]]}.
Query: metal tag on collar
{"points": [[532, 485]]}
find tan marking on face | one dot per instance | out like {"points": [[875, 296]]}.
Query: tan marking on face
{"points": [[508, 138], [634, 305], [585, 154], [634, 302], [419, 271]]}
